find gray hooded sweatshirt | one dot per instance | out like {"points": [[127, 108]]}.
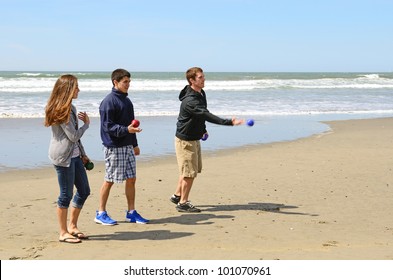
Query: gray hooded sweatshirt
{"points": [[64, 136]]}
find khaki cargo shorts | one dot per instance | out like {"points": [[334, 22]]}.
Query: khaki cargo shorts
{"points": [[189, 158]]}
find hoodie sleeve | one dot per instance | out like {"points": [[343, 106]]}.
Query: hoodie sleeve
{"points": [[73, 133], [199, 111]]}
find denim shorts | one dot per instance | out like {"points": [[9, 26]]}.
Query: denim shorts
{"points": [[76, 175], [120, 163]]}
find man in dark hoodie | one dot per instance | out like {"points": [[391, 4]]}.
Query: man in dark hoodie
{"points": [[120, 147], [190, 129]]}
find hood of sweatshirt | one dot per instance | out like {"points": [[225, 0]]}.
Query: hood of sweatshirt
{"points": [[184, 92], [187, 91]]}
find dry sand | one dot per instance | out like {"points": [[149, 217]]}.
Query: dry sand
{"points": [[324, 197]]}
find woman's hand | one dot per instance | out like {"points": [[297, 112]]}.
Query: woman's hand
{"points": [[84, 117], [85, 159]]}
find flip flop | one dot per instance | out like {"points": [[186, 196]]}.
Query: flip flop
{"points": [[79, 235], [67, 240]]}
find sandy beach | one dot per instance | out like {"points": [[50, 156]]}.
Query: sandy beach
{"points": [[326, 197]]}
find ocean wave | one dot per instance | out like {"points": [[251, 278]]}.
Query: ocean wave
{"points": [[154, 95], [222, 113], [45, 84], [29, 74], [27, 82], [369, 76]]}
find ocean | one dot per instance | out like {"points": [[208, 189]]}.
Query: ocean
{"points": [[24, 94], [285, 106]]}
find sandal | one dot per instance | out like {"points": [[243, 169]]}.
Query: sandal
{"points": [[79, 235], [69, 240]]}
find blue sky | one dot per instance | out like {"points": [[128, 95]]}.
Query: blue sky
{"points": [[218, 35]]}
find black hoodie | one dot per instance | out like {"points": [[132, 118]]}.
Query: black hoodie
{"points": [[193, 114]]}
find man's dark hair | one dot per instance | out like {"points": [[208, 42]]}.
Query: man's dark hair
{"points": [[119, 74]]}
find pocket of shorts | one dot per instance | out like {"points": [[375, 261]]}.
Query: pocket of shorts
{"points": [[186, 145]]}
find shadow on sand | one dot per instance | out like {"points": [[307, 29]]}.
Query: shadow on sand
{"points": [[203, 218]]}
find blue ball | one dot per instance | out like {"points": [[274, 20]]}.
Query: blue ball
{"points": [[204, 137], [250, 122]]}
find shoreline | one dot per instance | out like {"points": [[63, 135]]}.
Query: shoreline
{"points": [[25, 141], [327, 196]]}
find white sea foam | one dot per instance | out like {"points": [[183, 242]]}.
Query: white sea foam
{"points": [[24, 95], [370, 76], [29, 74], [37, 82]]}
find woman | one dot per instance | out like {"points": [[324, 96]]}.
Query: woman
{"points": [[68, 155]]}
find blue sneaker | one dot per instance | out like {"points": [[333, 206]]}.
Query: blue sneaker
{"points": [[135, 218], [104, 219]]}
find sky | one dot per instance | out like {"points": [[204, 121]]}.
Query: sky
{"points": [[217, 35]]}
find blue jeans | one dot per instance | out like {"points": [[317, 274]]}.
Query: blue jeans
{"points": [[76, 175]]}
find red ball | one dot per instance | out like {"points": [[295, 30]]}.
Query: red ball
{"points": [[135, 123]]}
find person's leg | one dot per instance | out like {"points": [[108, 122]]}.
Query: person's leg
{"points": [[62, 219], [130, 193], [132, 215], [184, 204], [185, 188], [104, 195], [65, 176], [183, 155], [111, 164], [179, 186], [175, 198], [130, 173], [73, 224], [102, 216], [111, 159], [83, 191], [65, 236], [188, 154]]}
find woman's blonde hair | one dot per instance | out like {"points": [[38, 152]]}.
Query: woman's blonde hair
{"points": [[58, 109]]}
